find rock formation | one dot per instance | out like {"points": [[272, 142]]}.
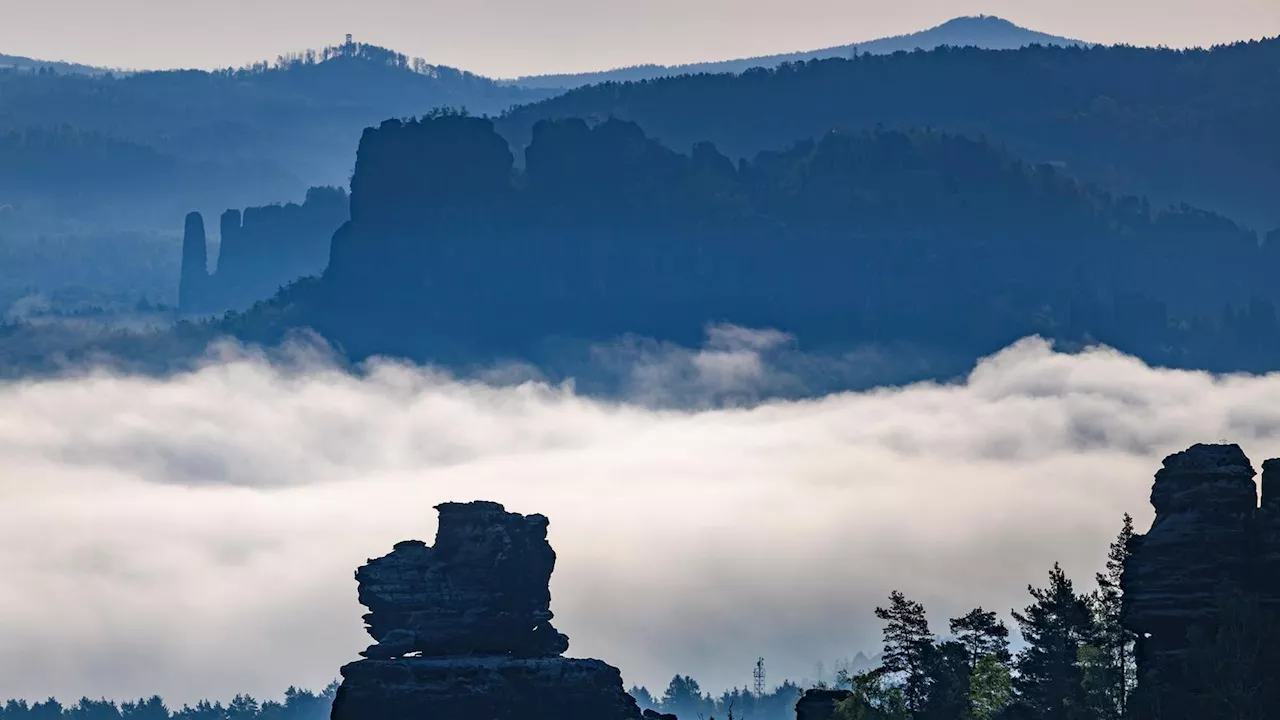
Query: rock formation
{"points": [[455, 253], [194, 272], [261, 250], [1267, 537], [463, 630], [1210, 541], [820, 704], [481, 590]]}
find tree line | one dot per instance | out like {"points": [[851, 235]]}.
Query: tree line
{"points": [[685, 698], [296, 705], [1174, 125], [1076, 661]]}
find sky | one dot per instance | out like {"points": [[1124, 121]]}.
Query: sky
{"points": [[197, 536], [507, 38]]}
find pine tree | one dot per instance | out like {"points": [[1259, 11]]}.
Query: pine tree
{"points": [[982, 634], [990, 688], [242, 707], [907, 644], [1115, 642], [1050, 680], [947, 692]]}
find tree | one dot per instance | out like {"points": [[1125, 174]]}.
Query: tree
{"points": [[873, 697], [1055, 626], [643, 697], [982, 634], [88, 709], [204, 710], [152, 708], [947, 668], [242, 707], [684, 697], [50, 709], [1118, 674], [907, 644], [990, 688]]}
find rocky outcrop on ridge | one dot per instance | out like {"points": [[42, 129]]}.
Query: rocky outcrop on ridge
{"points": [[820, 704], [462, 631], [1207, 570], [261, 249]]}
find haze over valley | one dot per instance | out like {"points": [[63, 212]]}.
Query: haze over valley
{"points": [[765, 353]]}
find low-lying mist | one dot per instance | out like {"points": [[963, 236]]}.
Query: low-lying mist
{"points": [[196, 536]]}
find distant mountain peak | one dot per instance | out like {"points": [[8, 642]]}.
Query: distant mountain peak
{"points": [[979, 20], [983, 31]]}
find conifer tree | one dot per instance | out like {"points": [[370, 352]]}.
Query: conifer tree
{"points": [[982, 634], [907, 644], [1050, 680], [1114, 641], [947, 692]]}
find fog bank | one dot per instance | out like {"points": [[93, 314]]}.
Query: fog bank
{"points": [[197, 536]]}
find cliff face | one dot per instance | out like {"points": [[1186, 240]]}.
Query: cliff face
{"points": [[453, 253], [261, 250], [463, 631], [1211, 550]]}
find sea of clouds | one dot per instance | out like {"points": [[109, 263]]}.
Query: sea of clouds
{"points": [[196, 536]]}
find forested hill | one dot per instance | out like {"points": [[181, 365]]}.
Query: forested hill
{"points": [[1195, 126], [925, 239], [188, 139], [988, 32], [11, 62]]}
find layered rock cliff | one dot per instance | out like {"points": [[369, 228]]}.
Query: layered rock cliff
{"points": [[456, 254], [463, 631], [1211, 551], [261, 249], [483, 589]]}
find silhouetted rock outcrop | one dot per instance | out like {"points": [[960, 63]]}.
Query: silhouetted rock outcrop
{"points": [[263, 249], [1267, 526], [455, 255], [482, 589], [463, 631], [1205, 499], [1208, 568], [820, 704], [194, 280]]}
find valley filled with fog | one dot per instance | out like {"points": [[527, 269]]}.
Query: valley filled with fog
{"points": [[194, 536]]}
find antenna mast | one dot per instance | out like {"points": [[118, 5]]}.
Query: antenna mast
{"points": [[758, 676]]}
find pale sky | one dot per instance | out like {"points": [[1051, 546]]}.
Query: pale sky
{"points": [[506, 38]]}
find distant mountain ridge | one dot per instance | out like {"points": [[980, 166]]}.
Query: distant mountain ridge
{"points": [[88, 156], [226, 138], [17, 62], [984, 31], [1172, 125]]}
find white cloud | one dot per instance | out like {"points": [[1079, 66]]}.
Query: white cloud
{"points": [[197, 536]]}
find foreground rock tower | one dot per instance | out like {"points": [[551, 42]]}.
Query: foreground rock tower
{"points": [[1210, 540], [463, 631]]}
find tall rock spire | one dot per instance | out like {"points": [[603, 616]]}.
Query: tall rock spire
{"points": [[195, 258]]}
